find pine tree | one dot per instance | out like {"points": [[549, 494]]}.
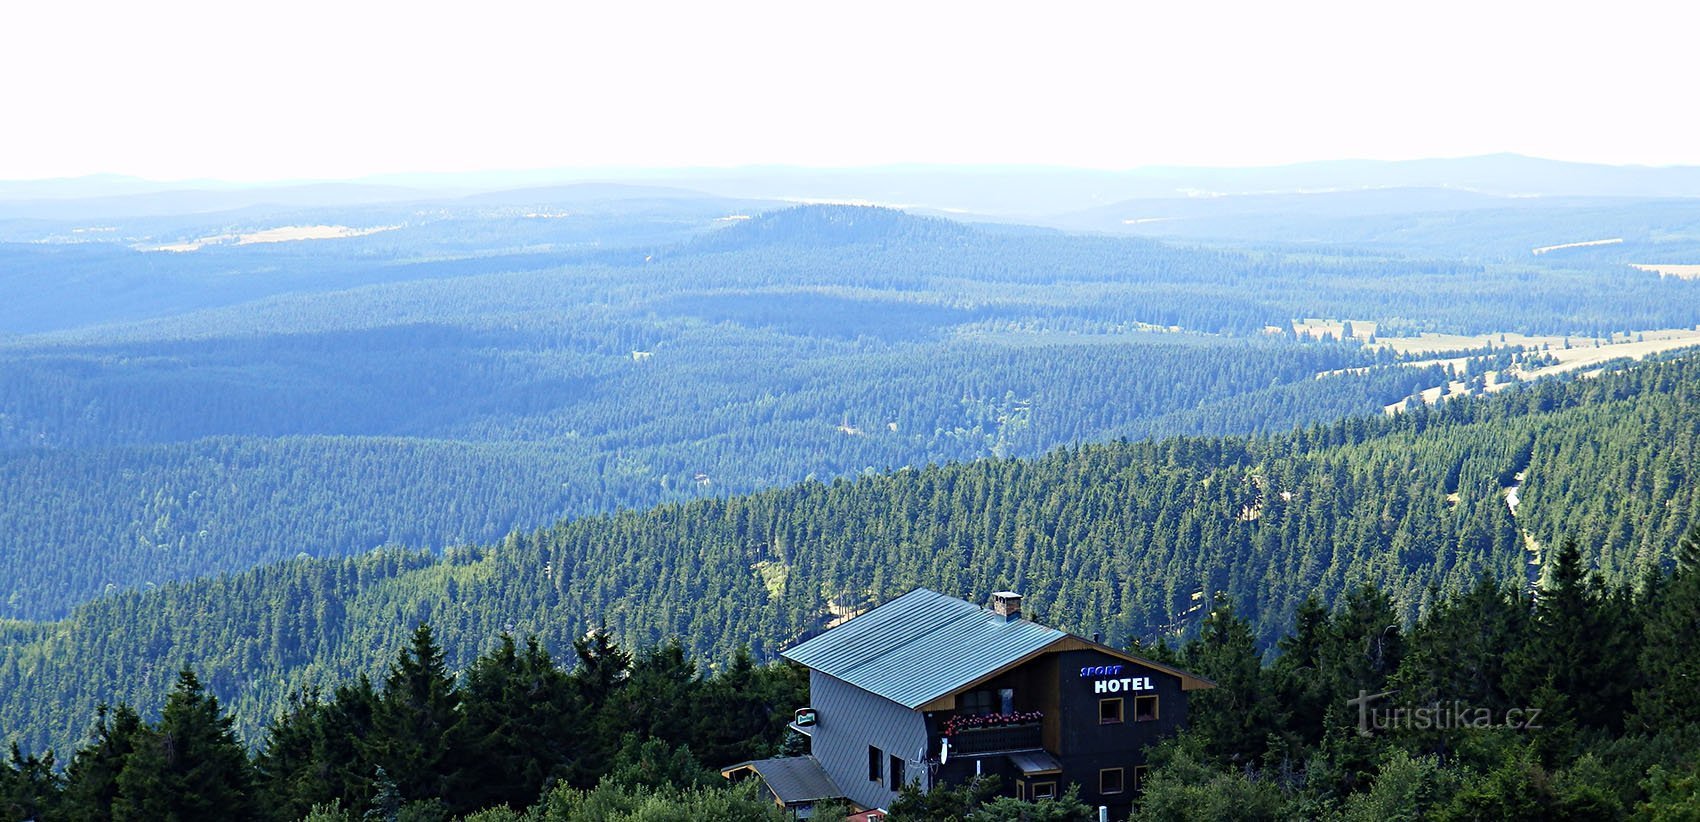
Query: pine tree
{"points": [[520, 720], [1576, 656], [415, 736], [1296, 674], [1235, 716], [291, 772], [189, 766], [91, 780], [1670, 654], [603, 670], [29, 786]]}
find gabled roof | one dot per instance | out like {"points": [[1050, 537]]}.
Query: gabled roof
{"points": [[925, 645], [920, 646], [793, 779]]}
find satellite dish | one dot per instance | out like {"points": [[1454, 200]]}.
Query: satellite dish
{"points": [[944, 750]]}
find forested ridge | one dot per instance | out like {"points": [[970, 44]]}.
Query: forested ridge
{"points": [[214, 487], [1128, 539], [477, 371], [1496, 704], [453, 408]]}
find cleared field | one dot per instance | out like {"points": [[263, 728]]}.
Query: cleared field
{"points": [[1429, 343], [1583, 354], [281, 234], [1681, 272]]}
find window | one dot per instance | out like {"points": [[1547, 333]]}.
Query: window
{"points": [[1110, 780], [1044, 790], [978, 702], [1145, 708], [875, 760], [1109, 711], [1139, 774], [896, 773], [1021, 790]]}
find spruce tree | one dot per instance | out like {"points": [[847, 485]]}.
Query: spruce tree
{"points": [[1234, 717], [520, 719], [189, 766], [292, 771], [415, 736], [1575, 659], [29, 786], [1669, 696], [91, 780]]}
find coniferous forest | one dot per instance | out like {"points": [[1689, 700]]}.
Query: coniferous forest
{"points": [[1495, 704], [505, 508]]}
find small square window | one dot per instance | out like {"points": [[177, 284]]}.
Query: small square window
{"points": [[1145, 708], [1044, 790], [1140, 772], [1111, 780], [1109, 711]]}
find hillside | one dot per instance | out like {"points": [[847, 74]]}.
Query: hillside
{"points": [[500, 363], [1127, 539]]}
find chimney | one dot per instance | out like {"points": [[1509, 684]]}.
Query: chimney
{"points": [[1007, 604]]}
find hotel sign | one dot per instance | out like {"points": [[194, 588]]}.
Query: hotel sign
{"points": [[1113, 682]]}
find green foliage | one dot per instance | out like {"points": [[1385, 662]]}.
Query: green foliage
{"points": [[654, 764], [416, 735], [29, 786], [1233, 717], [1186, 784], [91, 780], [616, 802], [188, 766], [1406, 788], [1241, 759], [1122, 539], [1064, 808], [1672, 695], [950, 803]]}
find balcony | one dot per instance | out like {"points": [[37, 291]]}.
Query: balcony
{"points": [[991, 733], [997, 738]]}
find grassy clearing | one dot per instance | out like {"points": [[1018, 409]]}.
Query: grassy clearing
{"points": [[1582, 354], [1681, 272]]}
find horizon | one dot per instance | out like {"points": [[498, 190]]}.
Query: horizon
{"points": [[570, 175]]}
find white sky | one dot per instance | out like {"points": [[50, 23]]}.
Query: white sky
{"points": [[265, 89]]}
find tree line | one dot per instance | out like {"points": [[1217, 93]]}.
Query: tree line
{"points": [[1576, 703], [1128, 539]]}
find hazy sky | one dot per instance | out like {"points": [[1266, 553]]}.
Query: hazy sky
{"points": [[268, 89]]}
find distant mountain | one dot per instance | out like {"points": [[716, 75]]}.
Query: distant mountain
{"points": [[1008, 192], [1037, 192], [818, 226], [130, 198]]}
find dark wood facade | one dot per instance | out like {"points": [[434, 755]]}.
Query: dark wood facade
{"points": [[1098, 713]]}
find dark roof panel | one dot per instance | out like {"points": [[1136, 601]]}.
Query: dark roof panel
{"points": [[921, 646], [793, 779], [1035, 762]]}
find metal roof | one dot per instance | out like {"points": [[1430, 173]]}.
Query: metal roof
{"points": [[1035, 762], [793, 779], [921, 646]]}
